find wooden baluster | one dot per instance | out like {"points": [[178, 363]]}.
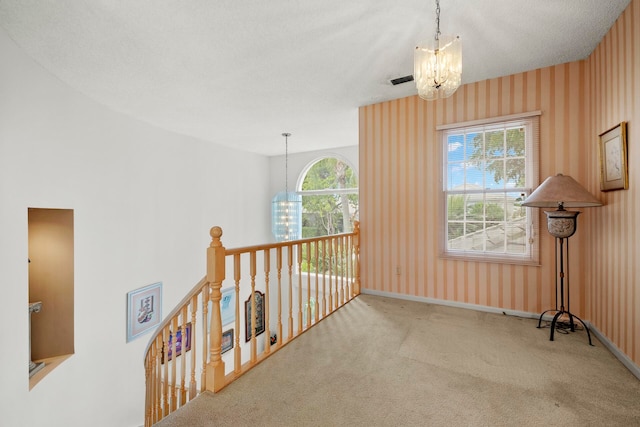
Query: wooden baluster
{"points": [[299, 247], [148, 372], [215, 277], [308, 310], [324, 278], [192, 383], [158, 378], [183, 360], [165, 379], [343, 261], [279, 270], [237, 351], [349, 261], [267, 271], [173, 361], [338, 272], [356, 246], [290, 265], [331, 273], [252, 272], [317, 310], [205, 336]]}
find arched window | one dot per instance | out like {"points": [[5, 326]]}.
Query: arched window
{"points": [[329, 189]]}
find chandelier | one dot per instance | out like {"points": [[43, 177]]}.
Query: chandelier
{"points": [[438, 64], [286, 207]]}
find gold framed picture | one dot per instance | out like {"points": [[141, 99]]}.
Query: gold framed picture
{"points": [[613, 159]]}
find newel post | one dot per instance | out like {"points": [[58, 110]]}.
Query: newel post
{"points": [[356, 248], [215, 276]]}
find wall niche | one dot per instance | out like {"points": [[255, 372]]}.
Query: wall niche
{"points": [[51, 283]]}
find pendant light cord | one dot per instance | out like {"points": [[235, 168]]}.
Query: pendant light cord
{"points": [[286, 162]]}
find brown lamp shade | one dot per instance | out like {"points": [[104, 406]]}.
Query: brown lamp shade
{"points": [[561, 191]]}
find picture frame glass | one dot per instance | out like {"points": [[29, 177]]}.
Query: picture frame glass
{"points": [[613, 159], [260, 327], [144, 310]]}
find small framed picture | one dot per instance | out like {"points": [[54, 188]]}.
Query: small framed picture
{"points": [[144, 310], [183, 342], [259, 296], [613, 159], [228, 306], [227, 340]]}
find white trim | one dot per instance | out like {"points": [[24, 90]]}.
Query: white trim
{"points": [[325, 155], [455, 304], [328, 191], [623, 358], [489, 120]]}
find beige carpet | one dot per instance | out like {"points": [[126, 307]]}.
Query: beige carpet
{"points": [[388, 362]]}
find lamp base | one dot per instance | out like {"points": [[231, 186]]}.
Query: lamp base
{"points": [[562, 320]]}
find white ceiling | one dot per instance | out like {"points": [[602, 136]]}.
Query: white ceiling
{"points": [[241, 72]]}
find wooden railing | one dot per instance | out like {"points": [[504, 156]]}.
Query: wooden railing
{"points": [[299, 283]]}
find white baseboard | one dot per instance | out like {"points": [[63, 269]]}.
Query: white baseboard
{"points": [[623, 358], [626, 361]]}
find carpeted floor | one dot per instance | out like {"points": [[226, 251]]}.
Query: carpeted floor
{"points": [[389, 362]]}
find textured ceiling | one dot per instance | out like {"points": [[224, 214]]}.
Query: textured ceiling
{"points": [[241, 72]]}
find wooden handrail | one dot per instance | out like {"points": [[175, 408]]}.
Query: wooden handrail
{"points": [[314, 278], [167, 320]]}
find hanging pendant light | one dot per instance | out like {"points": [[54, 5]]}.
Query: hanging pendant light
{"points": [[286, 207], [438, 64]]}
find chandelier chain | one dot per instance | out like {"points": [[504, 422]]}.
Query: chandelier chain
{"points": [[437, 20]]}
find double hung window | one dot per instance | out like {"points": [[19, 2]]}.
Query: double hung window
{"points": [[488, 170]]}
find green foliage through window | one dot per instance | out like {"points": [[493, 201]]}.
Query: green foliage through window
{"points": [[329, 206], [329, 198]]}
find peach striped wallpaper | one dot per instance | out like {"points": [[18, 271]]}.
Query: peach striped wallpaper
{"points": [[400, 190], [613, 286]]}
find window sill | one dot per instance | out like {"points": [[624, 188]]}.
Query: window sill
{"points": [[489, 259]]}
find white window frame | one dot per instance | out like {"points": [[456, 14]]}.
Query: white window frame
{"points": [[531, 122]]}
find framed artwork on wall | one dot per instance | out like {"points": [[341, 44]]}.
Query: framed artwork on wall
{"points": [[228, 306], [183, 342], [613, 159], [144, 310], [259, 297], [227, 340]]}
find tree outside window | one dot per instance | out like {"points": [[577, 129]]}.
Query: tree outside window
{"points": [[329, 206], [329, 198]]}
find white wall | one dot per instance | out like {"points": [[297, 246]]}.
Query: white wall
{"points": [[144, 200]]}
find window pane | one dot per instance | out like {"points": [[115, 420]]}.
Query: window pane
{"points": [[495, 174], [455, 176], [516, 142], [329, 173], [455, 148], [455, 234], [455, 207], [475, 208], [475, 178], [495, 237], [494, 144], [515, 172], [516, 235], [515, 210], [474, 146]]}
